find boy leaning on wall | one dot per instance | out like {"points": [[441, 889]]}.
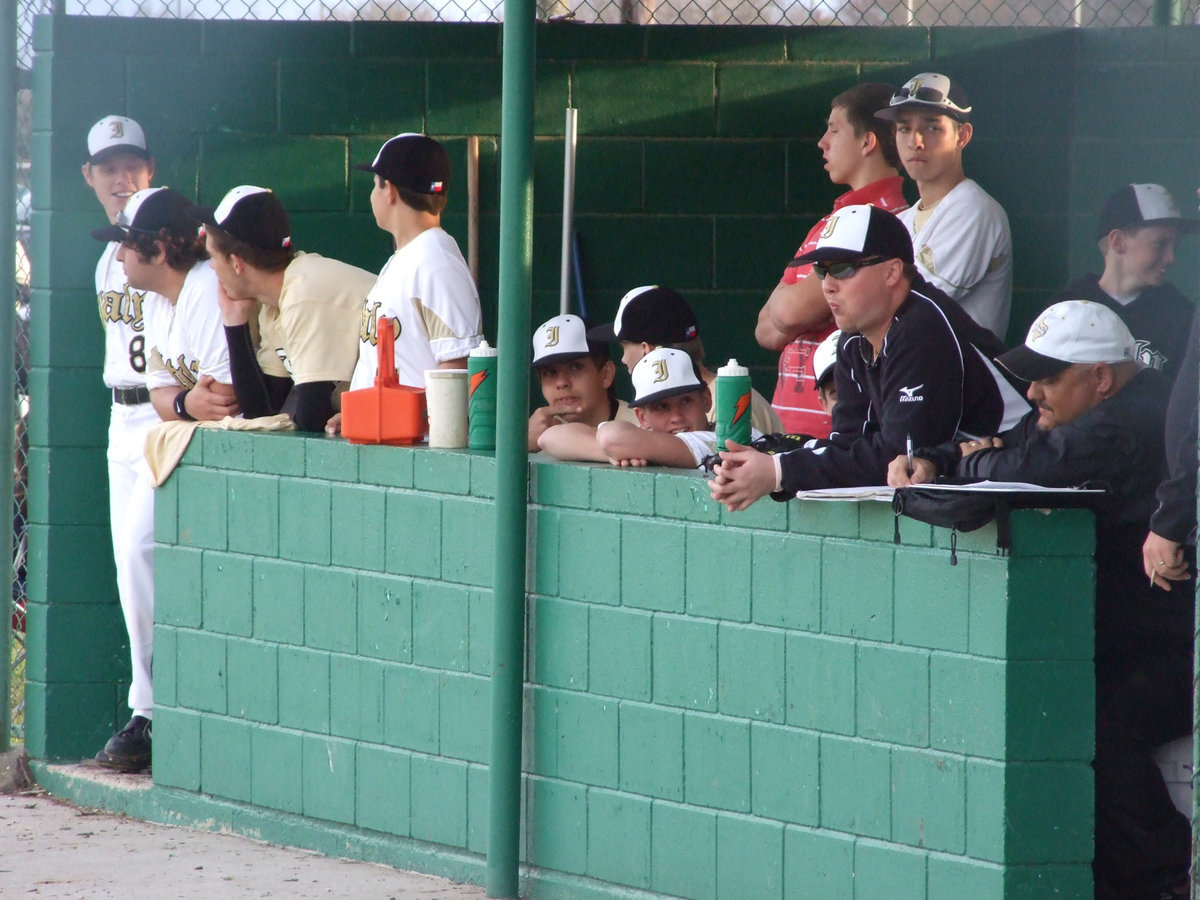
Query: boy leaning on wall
{"points": [[672, 404]]}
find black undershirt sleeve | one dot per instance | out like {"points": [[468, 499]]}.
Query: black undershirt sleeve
{"points": [[310, 405], [249, 382]]}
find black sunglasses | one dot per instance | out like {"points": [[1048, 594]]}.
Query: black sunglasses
{"points": [[845, 269]]}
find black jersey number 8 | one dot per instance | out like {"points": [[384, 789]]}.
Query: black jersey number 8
{"points": [[137, 353]]}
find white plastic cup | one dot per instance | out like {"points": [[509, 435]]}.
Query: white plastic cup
{"points": [[446, 399]]}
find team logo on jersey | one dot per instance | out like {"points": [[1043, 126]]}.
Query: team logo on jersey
{"points": [[910, 395], [1150, 357], [368, 326], [122, 306], [659, 367], [827, 231], [283, 358], [184, 373], [552, 336]]}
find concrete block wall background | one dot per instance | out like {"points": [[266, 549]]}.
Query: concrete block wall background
{"points": [[749, 705], [698, 167]]}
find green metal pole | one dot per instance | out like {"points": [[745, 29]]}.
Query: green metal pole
{"points": [[512, 457], [1166, 12], [8, 239]]}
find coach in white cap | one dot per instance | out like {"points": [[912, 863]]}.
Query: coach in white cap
{"points": [[1099, 418], [912, 366]]}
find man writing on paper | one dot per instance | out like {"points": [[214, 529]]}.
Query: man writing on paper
{"points": [[1099, 418], [910, 362]]}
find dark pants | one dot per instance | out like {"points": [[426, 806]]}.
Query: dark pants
{"points": [[1143, 844]]}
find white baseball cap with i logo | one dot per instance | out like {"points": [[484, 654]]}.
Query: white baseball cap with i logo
{"points": [[113, 135]]}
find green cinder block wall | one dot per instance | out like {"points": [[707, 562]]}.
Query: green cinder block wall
{"points": [[764, 704], [697, 167]]}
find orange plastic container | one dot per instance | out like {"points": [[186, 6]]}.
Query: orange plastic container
{"points": [[388, 412]]}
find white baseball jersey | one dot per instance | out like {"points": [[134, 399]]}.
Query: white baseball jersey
{"points": [[426, 287], [188, 340], [121, 312], [312, 334], [965, 249]]}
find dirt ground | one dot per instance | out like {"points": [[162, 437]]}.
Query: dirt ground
{"points": [[50, 848]]}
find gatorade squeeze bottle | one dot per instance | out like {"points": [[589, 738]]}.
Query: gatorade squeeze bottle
{"points": [[733, 404], [481, 398]]}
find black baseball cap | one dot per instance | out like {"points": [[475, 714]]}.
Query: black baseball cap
{"points": [[149, 212], [253, 215], [857, 232], [653, 314], [1134, 205], [415, 162]]}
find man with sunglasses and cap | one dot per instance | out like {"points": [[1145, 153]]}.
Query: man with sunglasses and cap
{"points": [[307, 307], [424, 291], [1099, 417], [912, 366], [960, 234]]}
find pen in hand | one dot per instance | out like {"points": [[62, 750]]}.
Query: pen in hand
{"points": [[909, 450]]}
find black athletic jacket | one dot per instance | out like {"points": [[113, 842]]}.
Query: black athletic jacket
{"points": [[934, 380], [1158, 320], [1118, 443], [1175, 517]]}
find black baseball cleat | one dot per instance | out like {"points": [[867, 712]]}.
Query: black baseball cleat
{"points": [[129, 749]]}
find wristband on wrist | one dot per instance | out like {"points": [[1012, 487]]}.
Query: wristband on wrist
{"points": [[180, 406], [778, 472]]}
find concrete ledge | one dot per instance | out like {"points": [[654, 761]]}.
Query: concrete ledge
{"points": [[139, 797]]}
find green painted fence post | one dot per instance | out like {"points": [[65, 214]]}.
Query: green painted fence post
{"points": [[512, 458]]}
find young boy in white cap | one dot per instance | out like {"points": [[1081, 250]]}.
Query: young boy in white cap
{"points": [[425, 290], [824, 361], [960, 234], [672, 404], [1099, 418], [162, 255], [653, 316], [576, 377], [1137, 233], [308, 309]]}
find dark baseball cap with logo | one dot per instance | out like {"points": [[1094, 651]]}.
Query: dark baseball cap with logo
{"points": [[415, 162], [858, 232], [1135, 205], [651, 314], [150, 212], [252, 215]]}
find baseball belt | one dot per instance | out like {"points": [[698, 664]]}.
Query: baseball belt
{"points": [[131, 396]]}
